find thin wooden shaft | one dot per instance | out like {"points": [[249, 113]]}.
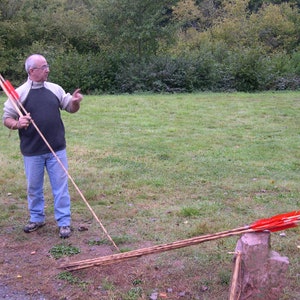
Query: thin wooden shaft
{"points": [[114, 258], [70, 177], [14, 102], [293, 220], [73, 182], [234, 285]]}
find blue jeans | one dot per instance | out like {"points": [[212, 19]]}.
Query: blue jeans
{"points": [[34, 169]]}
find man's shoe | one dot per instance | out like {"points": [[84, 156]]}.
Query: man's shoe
{"points": [[64, 232], [32, 226]]}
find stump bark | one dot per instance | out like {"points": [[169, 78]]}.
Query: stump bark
{"points": [[261, 272]]}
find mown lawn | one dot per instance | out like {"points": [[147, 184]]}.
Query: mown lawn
{"points": [[160, 168]]}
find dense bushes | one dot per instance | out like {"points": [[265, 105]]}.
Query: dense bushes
{"points": [[246, 70], [243, 71], [178, 46]]}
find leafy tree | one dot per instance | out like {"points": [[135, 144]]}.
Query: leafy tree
{"points": [[133, 27], [282, 35], [195, 14], [61, 22], [255, 5], [187, 14], [45, 26], [232, 26], [128, 45]]}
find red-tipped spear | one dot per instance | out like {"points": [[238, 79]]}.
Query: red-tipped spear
{"points": [[278, 222], [11, 94], [15, 100], [10, 89], [275, 223]]}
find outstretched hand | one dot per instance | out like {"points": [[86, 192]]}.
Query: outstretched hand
{"points": [[77, 96]]}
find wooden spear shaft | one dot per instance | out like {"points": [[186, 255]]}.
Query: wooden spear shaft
{"points": [[115, 258], [275, 223], [234, 284], [14, 103]]}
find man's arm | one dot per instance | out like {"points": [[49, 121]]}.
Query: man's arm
{"points": [[14, 124]]}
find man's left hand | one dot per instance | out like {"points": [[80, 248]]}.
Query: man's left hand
{"points": [[77, 96]]}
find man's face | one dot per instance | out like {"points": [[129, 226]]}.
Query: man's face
{"points": [[40, 71]]}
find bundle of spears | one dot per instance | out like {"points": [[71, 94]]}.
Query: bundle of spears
{"points": [[275, 223]]}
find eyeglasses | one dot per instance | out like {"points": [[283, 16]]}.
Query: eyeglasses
{"points": [[44, 67]]}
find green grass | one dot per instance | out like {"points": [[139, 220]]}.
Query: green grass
{"points": [[161, 168], [62, 250], [230, 155], [73, 280]]}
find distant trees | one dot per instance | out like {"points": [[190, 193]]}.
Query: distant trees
{"points": [[248, 50], [52, 27], [115, 46], [133, 27]]}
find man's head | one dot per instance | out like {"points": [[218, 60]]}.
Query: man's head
{"points": [[37, 68]]}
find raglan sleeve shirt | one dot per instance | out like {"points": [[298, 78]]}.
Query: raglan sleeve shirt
{"points": [[63, 97], [43, 101]]}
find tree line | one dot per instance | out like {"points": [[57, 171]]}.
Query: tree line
{"points": [[126, 46]]}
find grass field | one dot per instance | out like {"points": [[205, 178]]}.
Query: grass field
{"points": [[160, 168]]}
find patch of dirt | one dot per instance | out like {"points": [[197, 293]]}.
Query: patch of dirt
{"points": [[29, 272]]}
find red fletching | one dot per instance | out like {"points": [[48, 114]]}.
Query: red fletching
{"points": [[283, 227], [11, 94], [278, 222], [11, 90]]}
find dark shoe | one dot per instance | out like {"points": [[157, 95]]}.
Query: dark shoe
{"points": [[32, 226], [64, 232]]}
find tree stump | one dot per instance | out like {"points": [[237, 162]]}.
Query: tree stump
{"points": [[260, 273]]}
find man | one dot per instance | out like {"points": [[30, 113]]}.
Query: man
{"points": [[43, 101]]}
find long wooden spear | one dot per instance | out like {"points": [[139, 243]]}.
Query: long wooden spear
{"points": [[18, 106], [275, 223]]}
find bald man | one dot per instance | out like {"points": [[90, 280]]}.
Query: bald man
{"points": [[43, 101]]}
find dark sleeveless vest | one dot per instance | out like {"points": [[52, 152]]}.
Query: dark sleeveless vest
{"points": [[44, 109]]}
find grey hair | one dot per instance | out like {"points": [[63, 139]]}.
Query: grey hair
{"points": [[30, 62]]}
